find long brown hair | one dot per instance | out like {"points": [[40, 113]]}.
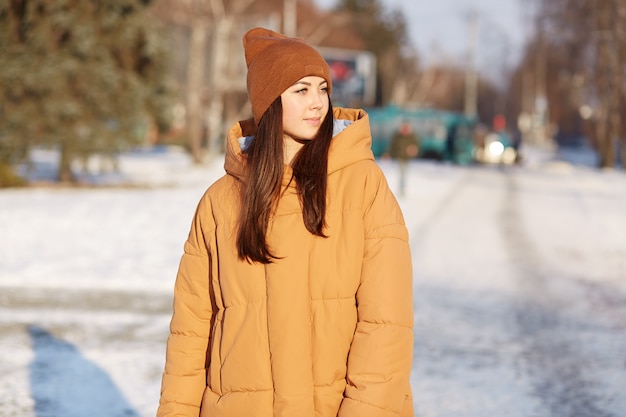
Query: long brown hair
{"points": [[265, 170]]}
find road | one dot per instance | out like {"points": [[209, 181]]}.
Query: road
{"points": [[520, 304], [520, 301]]}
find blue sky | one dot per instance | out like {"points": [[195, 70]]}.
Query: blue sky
{"points": [[440, 29]]}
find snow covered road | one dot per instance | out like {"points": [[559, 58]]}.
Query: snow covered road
{"points": [[520, 289]]}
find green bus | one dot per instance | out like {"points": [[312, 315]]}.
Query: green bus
{"points": [[443, 135]]}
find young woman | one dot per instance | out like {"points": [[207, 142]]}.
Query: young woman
{"points": [[294, 293]]}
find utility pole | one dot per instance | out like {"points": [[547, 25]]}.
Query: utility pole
{"points": [[541, 108], [471, 76]]}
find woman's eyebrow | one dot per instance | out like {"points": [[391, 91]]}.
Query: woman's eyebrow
{"points": [[309, 84]]}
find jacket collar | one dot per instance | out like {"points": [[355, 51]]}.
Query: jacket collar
{"points": [[352, 142]]}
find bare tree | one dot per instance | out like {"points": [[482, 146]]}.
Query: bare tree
{"points": [[199, 26], [591, 32], [609, 78], [220, 81], [214, 80], [213, 31]]}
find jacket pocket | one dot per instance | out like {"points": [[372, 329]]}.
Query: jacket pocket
{"points": [[215, 360]]}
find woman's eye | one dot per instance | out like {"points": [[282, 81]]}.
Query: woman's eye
{"points": [[301, 91]]}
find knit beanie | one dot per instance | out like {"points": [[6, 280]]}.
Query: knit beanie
{"points": [[275, 62]]}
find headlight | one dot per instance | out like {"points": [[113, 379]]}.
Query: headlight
{"points": [[496, 148]]}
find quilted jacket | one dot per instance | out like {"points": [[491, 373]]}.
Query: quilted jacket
{"points": [[324, 331]]}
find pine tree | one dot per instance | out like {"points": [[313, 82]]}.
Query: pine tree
{"points": [[80, 76]]}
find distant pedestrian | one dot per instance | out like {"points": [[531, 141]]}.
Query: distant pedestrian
{"points": [[294, 293], [404, 147]]}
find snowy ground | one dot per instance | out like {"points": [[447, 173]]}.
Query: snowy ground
{"points": [[86, 277]]}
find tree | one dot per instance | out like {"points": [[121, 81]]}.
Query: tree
{"points": [[444, 89], [206, 36], [83, 77], [585, 46], [385, 34], [211, 29]]}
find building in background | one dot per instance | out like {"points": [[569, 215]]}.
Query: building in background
{"points": [[354, 76]]}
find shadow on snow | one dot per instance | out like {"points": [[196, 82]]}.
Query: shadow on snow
{"points": [[65, 384]]}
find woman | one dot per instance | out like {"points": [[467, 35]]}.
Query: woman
{"points": [[294, 295]]}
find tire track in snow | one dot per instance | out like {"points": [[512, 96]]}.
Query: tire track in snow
{"points": [[552, 355]]}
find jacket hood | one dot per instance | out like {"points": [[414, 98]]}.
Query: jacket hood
{"points": [[352, 142]]}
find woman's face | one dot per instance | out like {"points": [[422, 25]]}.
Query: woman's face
{"points": [[305, 105]]}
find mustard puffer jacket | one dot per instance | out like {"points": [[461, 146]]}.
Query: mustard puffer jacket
{"points": [[324, 331]]}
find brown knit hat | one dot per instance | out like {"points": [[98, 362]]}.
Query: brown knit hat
{"points": [[275, 62]]}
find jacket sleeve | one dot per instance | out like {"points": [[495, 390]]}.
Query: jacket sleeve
{"points": [[184, 378], [380, 358]]}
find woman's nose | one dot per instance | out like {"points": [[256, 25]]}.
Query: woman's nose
{"points": [[316, 100]]}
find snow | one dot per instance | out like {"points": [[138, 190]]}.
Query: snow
{"points": [[86, 274]]}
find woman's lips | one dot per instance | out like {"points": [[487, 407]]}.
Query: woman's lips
{"points": [[313, 120]]}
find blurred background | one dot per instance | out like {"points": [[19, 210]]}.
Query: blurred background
{"points": [[98, 78]]}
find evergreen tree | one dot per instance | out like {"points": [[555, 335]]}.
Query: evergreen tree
{"points": [[80, 76]]}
